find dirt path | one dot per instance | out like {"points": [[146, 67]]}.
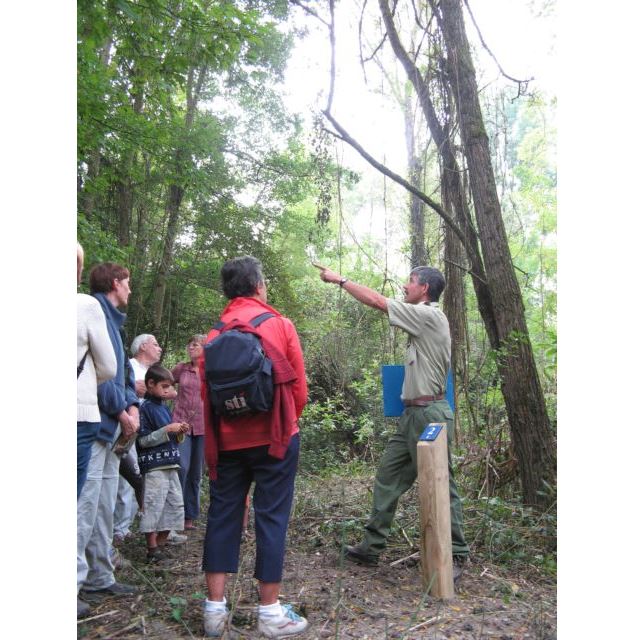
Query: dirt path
{"points": [[340, 599]]}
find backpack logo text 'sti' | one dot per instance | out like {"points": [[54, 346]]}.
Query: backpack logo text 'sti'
{"points": [[235, 403]]}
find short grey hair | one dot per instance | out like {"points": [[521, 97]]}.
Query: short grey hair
{"points": [[433, 278], [138, 341]]}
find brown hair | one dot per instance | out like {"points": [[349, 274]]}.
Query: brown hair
{"points": [[197, 337], [102, 276], [157, 373]]}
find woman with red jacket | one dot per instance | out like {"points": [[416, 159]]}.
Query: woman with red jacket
{"points": [[258, 447]]}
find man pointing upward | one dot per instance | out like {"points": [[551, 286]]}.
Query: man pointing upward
{"points": [[427, 362]]}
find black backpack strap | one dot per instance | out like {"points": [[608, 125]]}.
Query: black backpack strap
{"points": [[254, 322], [258, 320], [80, 366]]}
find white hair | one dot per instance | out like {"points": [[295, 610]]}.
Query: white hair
{"points": [[138, 341]]}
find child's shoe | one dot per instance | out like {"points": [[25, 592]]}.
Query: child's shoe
{"points": [[214, 621], [175, 538], [287, 623], [156, 555]]}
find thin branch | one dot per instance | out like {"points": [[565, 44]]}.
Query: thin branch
{"points": [[462, 268], [359, 40], [425, 623], [377, 48], [417, 18], [522, 84], [412, 556], [332, 41], [243, 155], [101, 615], [395, 177], [310, 11]]}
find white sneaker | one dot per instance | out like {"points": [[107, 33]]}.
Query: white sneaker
{"points": [[289, 623], [176, 538], [214, 623]]}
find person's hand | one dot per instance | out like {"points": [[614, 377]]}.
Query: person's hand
{"points": [[185, 427], [328, 275], [128, 425], [133, 414], [140, 388], [174, 427]]}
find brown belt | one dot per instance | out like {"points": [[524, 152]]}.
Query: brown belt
{"points": [[422, 401]]}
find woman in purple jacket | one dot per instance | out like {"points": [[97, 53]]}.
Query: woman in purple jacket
{"points": [[188, 407]]}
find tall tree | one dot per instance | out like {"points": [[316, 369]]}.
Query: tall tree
{"points": [[532, 436], [418, 253], [493, 277]]}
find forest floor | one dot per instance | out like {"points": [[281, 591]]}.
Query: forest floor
{"points": [[340, 599]]}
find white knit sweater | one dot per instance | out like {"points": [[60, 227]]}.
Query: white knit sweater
{"points": [[100, 364]]}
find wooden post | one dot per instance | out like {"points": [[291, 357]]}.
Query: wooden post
{"points": [[434, 511]]}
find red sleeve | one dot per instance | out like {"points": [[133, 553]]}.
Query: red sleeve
{"points": [[296, 359], [201, 370]]}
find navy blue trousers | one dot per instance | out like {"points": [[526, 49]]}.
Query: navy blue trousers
{"points": [[272, 499], [191, 451]]}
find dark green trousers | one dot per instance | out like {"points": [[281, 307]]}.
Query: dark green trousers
{"points": [[398, 470]]}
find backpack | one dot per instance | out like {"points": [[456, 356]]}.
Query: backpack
{"points": [[237, 371]]}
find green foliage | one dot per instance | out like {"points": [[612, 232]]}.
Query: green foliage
{"points": [[98, 245], [178, 606], [511, 533], [345, 425], [160, 165]]}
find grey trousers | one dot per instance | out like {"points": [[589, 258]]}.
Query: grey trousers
{"points": [[126, 504], [94, 519]]}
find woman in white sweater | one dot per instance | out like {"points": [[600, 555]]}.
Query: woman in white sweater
{"points": [[96, 363]]}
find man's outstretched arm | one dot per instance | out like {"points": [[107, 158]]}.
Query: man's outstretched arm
{"points": [[363, 294]]}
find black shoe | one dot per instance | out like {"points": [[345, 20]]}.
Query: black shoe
{"points": [[359, 555], [115, 589], [83, 608], [157, 556], [458, 566]]}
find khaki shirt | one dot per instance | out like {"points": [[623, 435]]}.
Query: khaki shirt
{"points": [[428, 351]]}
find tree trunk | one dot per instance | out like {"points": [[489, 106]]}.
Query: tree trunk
{"points": [[457, 192], [125, 185], [175, 196], [176, 192], [87, 197], [418, 253], [137, 316], [454, 300], [531, 432], [124, 204]]}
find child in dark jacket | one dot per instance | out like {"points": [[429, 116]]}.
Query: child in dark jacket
{"points": [[158, 453]]}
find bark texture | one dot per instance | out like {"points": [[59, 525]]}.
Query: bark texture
{"points": [[418, 254], [532, 436], [454, 301], [176, 191], [454, 174]]}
